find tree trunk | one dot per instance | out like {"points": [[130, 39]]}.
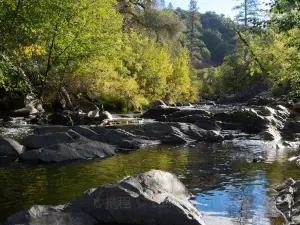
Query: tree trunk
{"points": [[67, 97]]}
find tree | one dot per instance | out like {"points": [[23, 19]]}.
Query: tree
{"points": [[179, 82], [218, 36], [193, 35], [170, 6], [247, 11], [49, 39], [286, 14], [162, 4], [194, 17], [164, 25]]}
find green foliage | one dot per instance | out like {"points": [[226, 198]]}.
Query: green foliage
{"points": [[180, 84], [141, 73], [12, 78], [125, 53], [271, 53], [54, 37], [286, 14]]}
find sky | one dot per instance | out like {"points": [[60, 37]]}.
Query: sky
{"points": [[219, 6]]}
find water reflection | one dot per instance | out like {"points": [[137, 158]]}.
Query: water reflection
{"points": [[226, 186]]}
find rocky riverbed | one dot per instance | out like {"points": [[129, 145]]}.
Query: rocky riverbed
{"points": [[170, 126], [271, 126]]}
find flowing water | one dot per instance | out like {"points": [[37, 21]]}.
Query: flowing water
{"points": [[228, 187]]}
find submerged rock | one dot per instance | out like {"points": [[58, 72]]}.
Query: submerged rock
{"points": [[155, 197]]}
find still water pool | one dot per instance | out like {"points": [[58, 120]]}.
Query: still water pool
{"points": [[228, 187]]}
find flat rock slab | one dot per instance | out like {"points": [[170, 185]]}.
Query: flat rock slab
{"points": [[151, 198], [80, 150], [46, 140]]}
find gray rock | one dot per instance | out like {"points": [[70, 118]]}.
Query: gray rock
{"points": [[176, 137], [157, 112], [50, 215], [10, 147], [188, 112], [41, 141], [288, 200], [155, 197], [80, 150], [176, 133], [208, 125]]}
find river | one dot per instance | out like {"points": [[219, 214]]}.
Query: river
{"points": [[228, 187]]}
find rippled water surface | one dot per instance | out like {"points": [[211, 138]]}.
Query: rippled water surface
{"points": [[229, 188]]}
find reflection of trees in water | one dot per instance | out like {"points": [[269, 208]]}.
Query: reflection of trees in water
{"points": [[241, 203], [214, 166], [224, 168]]}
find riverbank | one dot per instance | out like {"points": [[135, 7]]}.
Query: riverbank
{"points": [[264, 132]]}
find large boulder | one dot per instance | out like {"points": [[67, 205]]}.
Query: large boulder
{"points": [[288, 200], [155, 197], [80, 150], [10, 147]]}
